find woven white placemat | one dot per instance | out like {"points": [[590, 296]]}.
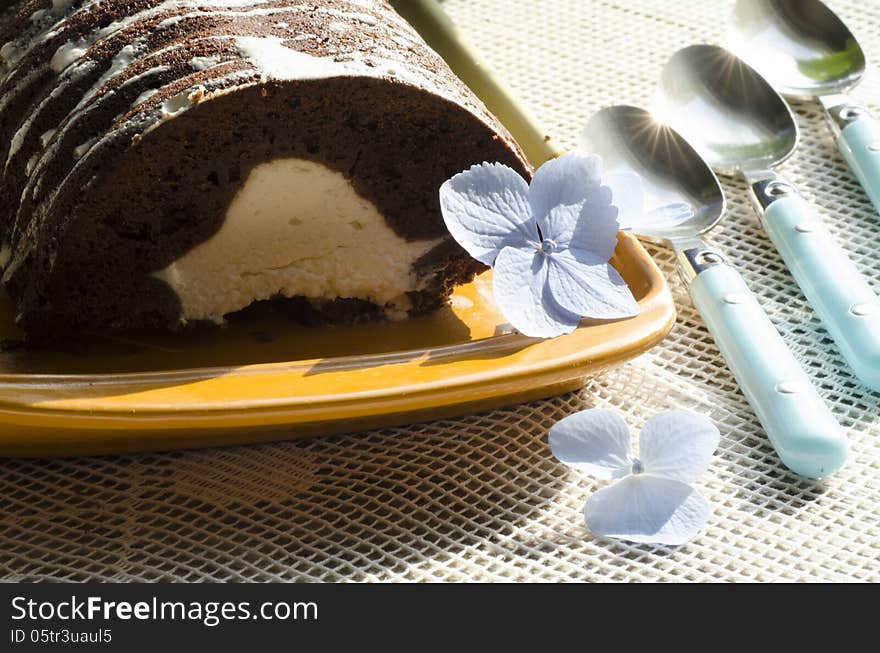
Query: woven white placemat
{"points": [[481, 498]]}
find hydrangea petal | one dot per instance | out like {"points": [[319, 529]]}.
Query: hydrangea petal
{"points": [[646, 508], [519, 287], [628, 195], [566, 181], [597, 225], [486, 208], [563, 220], [587, 285], [677, 444], [594, 441], [669, 215]]}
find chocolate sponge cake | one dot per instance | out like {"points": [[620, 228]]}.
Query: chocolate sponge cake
{"points": [[172, 162]]}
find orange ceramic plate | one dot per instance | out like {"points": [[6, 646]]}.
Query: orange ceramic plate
{"points": [[264, 378]]}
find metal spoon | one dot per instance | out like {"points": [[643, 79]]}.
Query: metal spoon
{"points": [[799, 424], [735, 119], [805, 51]]}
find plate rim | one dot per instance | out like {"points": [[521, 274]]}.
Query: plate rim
{"points": [[498, 383]]}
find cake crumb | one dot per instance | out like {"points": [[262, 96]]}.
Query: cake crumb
{"points": [[197, 95]]}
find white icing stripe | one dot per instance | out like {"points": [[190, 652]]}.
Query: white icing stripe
{"points": [[203, 63], [270, 56], [84, 108], [119, 64], [18, 138], [30, 164], [277, 61], [44, 27], [69, 55], [188, 98], [267, 11], [80, 150], [143, 97], [71, 52], [147, 73], [42, 33], [34, 183]]}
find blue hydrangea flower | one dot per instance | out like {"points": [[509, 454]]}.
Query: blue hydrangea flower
{"points": [[653, 501], [549, 243]]}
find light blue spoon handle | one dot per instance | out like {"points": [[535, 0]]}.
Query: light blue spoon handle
{"points": [[842, 298], [801, 428], [859, 142]]}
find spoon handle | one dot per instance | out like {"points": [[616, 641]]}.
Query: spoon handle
{"points": [[841, 296], [858, 137], [798, 423]]}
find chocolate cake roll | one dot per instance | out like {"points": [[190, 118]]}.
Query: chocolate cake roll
{"points": [[173, 162]]}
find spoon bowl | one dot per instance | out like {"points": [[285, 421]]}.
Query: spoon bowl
{"points": [[806, 51], [801, 46], [630, 139], [731, 115]]}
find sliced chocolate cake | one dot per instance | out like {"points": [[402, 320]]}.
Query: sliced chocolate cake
{"points": [[169, 162]]}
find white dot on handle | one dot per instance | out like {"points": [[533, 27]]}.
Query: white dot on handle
{"points": [[788, 387], [874, 147], [863, 310], [805, 227], [733, 298]]}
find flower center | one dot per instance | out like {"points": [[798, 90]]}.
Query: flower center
{"points": [[637, 466], [548, 246]]}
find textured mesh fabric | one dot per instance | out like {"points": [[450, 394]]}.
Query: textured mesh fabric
{"points": [[481, 498]]}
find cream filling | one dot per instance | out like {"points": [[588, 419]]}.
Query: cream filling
{"points": [[296, 228]]}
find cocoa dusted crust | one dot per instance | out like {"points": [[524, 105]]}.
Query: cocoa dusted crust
{"points": [[114, 190]]}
